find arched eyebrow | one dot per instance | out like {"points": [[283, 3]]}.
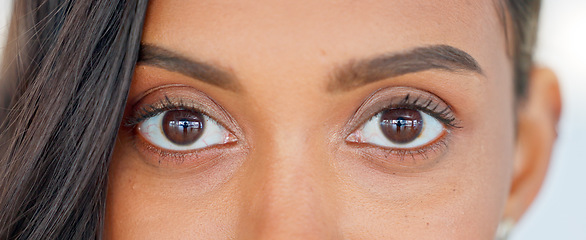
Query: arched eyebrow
{"points": [[357, 73], [162, 58], [354, 74]]}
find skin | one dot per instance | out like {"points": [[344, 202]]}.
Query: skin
{"points": [[291, 173]]}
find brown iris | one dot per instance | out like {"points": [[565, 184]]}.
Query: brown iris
{"points": [[183, 127], [401, 125]]}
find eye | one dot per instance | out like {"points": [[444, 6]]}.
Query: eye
{"points": [[183, 130], [399, 128]]}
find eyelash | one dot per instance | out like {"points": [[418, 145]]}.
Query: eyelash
{"points": [[439, 110], [155, 103], [151, 110], [445, 114], [425, 104]]}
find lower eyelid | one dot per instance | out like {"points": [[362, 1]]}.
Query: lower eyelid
{"points": [[402, 160], [197, 158]]}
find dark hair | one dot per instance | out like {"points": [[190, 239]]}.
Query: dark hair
{"points": [[520, 19], [70, 64], [67, 71]]}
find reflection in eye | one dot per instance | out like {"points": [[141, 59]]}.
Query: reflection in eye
{"points": [[183, 130], [399, 128]]}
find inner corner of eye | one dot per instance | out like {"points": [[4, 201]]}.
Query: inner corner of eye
{"points": [[354, 137], [229, 137]]}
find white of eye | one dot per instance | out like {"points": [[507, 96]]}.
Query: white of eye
{"points": [[213, 134], [372, 133]]}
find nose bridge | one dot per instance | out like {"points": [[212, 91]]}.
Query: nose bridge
{"points": [[288, 195]]}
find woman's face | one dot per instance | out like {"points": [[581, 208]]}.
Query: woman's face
{"points": [[316, 119]]}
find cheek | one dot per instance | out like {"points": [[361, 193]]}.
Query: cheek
{"points": [[485, 155], [144, 202], [462, 198]]}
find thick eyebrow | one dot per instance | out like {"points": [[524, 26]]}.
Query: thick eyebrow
{"points": [[166, 59], [357, 73]]}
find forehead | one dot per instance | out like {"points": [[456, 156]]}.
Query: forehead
{"points": [[311, 34]]}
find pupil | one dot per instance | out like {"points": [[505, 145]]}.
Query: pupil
{"points": [[400, 121], [183, 127], [401, 125]]}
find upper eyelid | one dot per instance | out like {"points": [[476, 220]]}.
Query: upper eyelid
{"points": [[170, 106], [445, 114], [381, 99], [178, 96], [152, 111]]}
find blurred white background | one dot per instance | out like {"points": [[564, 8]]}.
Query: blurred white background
{"points": [[560, 210]]}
